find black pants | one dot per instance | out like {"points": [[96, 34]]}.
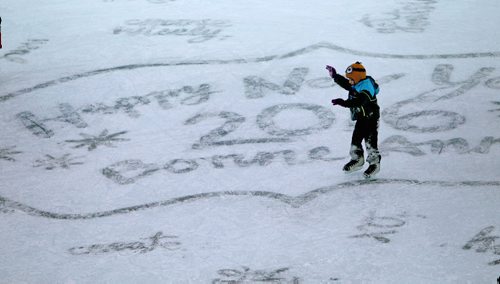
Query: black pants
{"points": [[367, 130]]}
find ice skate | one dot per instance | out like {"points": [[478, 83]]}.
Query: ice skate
{"points": [[354, 165], [372, 170]]}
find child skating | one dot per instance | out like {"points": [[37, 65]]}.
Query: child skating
{"points": [[362, 102]]}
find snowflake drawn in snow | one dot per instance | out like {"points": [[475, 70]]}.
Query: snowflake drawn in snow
{"points": [[93, 141], [52, 162], [6, 153]]}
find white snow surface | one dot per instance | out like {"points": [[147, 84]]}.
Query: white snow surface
{"points": [[188, 141]]}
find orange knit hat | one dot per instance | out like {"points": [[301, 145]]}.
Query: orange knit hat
{"points": [[356, 72]]}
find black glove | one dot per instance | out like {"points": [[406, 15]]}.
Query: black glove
{"points": [[332, 70], [339, 102]]}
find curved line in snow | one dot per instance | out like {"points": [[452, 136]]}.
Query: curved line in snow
{"points": [[298, 52], [296, 201]]}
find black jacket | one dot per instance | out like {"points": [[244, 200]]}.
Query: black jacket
{"points": [[362, 98]]}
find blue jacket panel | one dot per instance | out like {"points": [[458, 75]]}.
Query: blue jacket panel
{"points": [[368, 85]]}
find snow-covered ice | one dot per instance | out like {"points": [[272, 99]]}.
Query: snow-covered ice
{"points": [[187, 141]]}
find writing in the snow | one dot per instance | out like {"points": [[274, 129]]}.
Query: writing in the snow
{"points": [[68, 114], [132, 170], [197, 30], [410, 16], [8, 153], [427, 121], [247, 275], [158, 240], [485, 242], [21, 51], [380, 228]]}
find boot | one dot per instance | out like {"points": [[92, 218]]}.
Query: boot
{"points": [[372, 170], [354, 165]]}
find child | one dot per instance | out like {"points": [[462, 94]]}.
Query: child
{"points": [[362, 102]]}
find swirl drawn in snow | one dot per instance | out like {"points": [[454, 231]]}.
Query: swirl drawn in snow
{"points": [[292, 201], [298, 52]]}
